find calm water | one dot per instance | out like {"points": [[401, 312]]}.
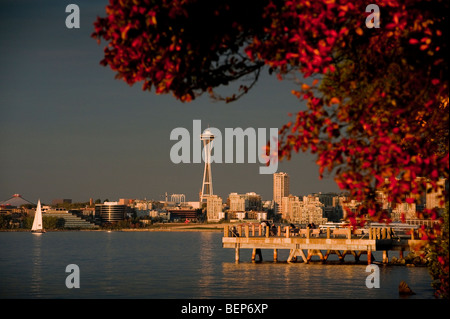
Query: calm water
{"points": [[179, 265]]}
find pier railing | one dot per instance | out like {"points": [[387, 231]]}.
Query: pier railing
{"points": [[254, 230]]}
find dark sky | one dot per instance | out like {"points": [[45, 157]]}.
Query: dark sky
{"points": [[68, 129]]}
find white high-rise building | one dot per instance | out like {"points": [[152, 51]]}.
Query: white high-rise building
{"points": [[287, 204], [280, 189], [214, 208], [306, 211], [237, 202]]}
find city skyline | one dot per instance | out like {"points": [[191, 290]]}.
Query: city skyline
{"points": [[68, 129], [168, 196]]}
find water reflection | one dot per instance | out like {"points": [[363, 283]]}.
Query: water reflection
{"points": [[292, 280], [107, 276], [316, 280], [36, 264], [207, 263]]}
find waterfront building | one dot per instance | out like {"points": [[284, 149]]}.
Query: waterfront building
{"points": [[163, 215], [142, 204], [240, 215], [244, 202], [351, 205], [110, 212], [332, 209], [434, 197], [267, 205], [326, 198], [125, 201], [178, 199], [195, 205], [404, 211], [142, 207], [182, 215], [237, 202], [254, 201], [214, 208], [257, 215], [312, 211], [339, 200], [287, 206], [15, 202], [69, 219], [408, 211], [280, 189], [307, 211]]}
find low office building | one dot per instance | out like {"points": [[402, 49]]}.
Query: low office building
{"points": [[182, 215], [110, 212]]}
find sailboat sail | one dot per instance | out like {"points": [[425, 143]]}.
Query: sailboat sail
{"points": [[37, 223]]}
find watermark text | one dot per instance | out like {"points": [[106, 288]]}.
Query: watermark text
{"points": [[234, 146]]}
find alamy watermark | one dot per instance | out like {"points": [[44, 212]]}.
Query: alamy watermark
{"points": [[373, 280], [73, 280], [73, 19], [373, 19], [234, 140]]}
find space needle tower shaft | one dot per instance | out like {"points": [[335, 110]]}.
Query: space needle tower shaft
{"points": [[207, 188]]}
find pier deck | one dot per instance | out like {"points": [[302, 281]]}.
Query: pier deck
{"points": [[309, 242]]}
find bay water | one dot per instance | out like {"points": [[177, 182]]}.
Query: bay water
{"points": [[181, 265]]}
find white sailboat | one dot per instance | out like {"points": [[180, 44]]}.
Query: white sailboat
{"points": [[37, 227]]}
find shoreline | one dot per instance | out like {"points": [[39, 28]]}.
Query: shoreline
{"points": [[158, 228]]}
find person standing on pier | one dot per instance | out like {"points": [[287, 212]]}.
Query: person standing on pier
{"points": [[264, 225]]}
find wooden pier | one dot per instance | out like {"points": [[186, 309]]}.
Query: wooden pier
{"points": [[306, 243]]}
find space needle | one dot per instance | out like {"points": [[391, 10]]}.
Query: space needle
{"points": [[207, 188]]}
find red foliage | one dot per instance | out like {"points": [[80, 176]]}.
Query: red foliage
{"points": [[380, 139], [185, 47], [378, 117]]}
